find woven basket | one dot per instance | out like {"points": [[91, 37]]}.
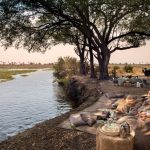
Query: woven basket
{"points": [[105, 142], [105, 131]]}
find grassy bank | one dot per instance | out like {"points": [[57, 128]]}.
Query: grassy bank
{"points": [[8, 74]]}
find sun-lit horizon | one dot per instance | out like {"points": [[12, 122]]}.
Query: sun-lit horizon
{"points": [[137, 55]]}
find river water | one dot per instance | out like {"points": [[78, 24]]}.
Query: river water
{"points": [[26, 101]]}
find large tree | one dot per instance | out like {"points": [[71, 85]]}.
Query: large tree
{"points": [[108, 25], [83, 47], [74, 37]]}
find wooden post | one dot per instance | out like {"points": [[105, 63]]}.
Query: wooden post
{"points": [[105, 142]]}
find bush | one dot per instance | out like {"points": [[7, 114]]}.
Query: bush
{"points": [[64, 82], [116, 68], [66, 67], [128, 68], [58, 66]]}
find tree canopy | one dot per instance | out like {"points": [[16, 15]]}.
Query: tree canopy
{"points": [[108, 25]]}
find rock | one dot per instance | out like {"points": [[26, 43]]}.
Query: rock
{"points": [[89, 118], [76, 120], [114, 95]]}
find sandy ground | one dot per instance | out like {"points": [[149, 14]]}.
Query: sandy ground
{"points": [[48, 136]]}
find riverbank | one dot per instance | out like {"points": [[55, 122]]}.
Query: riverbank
{"points": [[48, 136]]}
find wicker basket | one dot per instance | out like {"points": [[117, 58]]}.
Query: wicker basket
{"points": [[105, 142], [105, 130]]}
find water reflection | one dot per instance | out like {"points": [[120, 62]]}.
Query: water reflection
{"points": [[26, 101]]}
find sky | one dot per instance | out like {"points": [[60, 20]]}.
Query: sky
{"points": [[138, 55]]}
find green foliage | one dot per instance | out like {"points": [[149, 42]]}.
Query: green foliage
{"points": [[66, 67], [128, 68]]}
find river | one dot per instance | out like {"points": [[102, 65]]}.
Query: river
{"points": [[26, 101]]}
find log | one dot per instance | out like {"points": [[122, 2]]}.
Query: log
{"points": [[105, 142]]}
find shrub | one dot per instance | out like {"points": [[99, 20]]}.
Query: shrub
{"points": [[128, 68], [64, 82], [116, 67], [66, 67], [59, 66]]}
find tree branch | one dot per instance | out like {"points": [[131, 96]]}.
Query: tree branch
{"points": [[115, 19], [129, 34], [123, 48]]}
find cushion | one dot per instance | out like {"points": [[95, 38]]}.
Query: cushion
{"points": [[89, 118], [76, 120]]}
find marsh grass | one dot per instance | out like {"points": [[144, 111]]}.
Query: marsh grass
{"points": [[8, 74]]}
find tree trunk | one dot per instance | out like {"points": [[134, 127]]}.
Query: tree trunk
{"points": [[103, 61], [92, 69], [82, 67]]}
